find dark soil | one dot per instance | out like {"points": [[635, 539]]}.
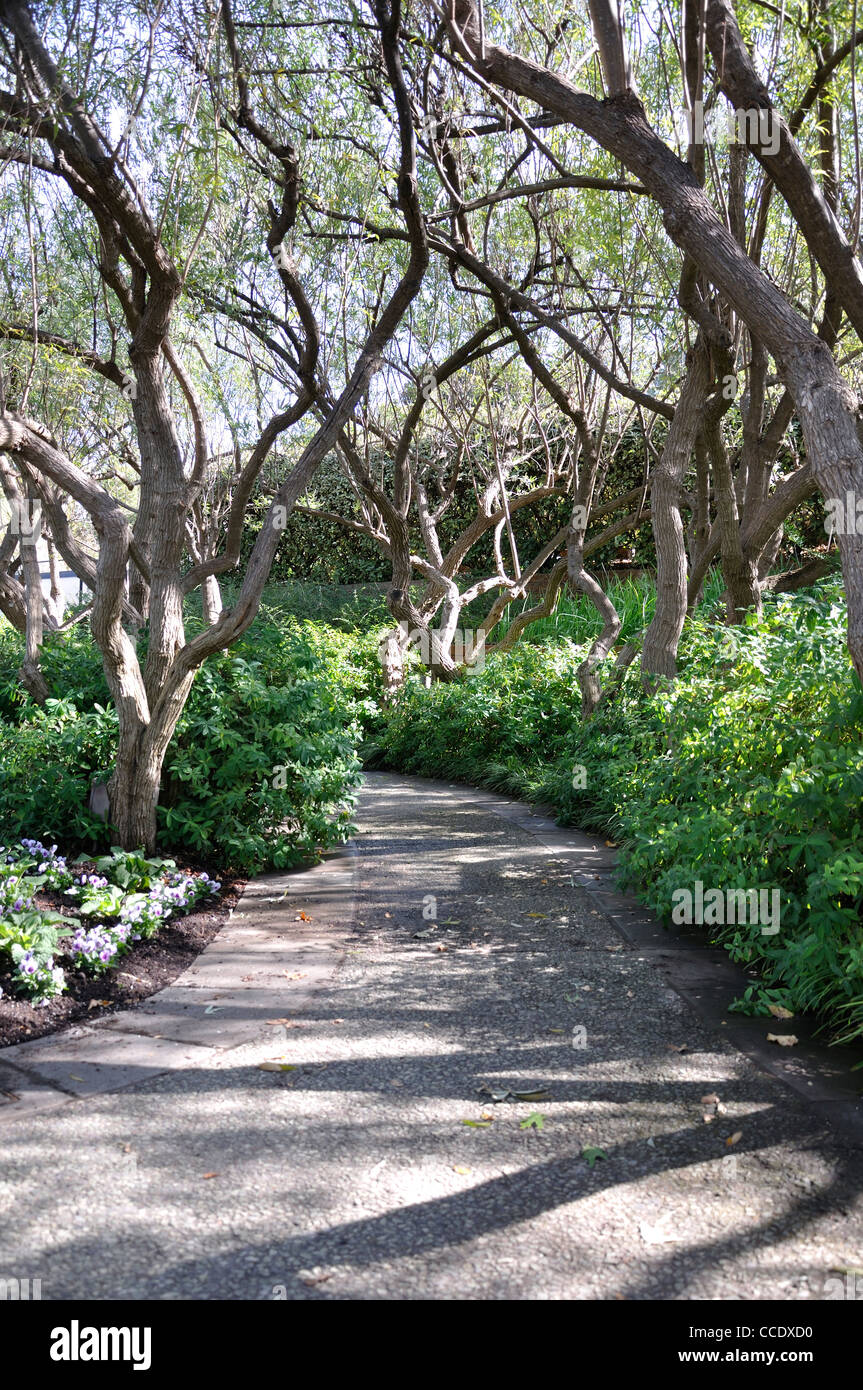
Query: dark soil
{"points": [[149, 966]]}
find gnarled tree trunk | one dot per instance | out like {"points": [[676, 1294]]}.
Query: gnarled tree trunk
{"points": [[659, 653]]}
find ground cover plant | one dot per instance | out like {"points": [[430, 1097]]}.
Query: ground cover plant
{"points": [[87, 914]]}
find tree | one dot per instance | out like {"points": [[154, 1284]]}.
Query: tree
{"points": [[826, 405], [53, 128]]}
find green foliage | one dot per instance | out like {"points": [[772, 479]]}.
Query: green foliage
{"points": [[747, 772], [47, 763], [261, 771], [263, 767], [70, 663], [131, 870]]}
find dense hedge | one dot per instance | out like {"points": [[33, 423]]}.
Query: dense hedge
{"points": [[313, 548]]}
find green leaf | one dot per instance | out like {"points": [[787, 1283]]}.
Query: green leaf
{"points": [[592, 1155], [534, 1121]]}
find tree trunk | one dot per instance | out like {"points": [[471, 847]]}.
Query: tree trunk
{"points": [[57, 604], [211, 599], [659, 654], [739, 570], [31, 674], [133, 794], [588, 680], [392, 664], [133, 790]]}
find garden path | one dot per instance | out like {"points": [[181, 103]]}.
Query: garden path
{"points": [[288, 1119]]}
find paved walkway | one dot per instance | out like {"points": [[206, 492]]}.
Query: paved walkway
{"points": [[287, 1120]]}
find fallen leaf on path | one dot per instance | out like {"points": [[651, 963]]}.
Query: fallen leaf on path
{"points": [[592, 1155], [557, 1030], [304, 917], [283, 1022], [427, 931], [783, 1039], [734, 1138], [294, 974], [209, 1175], [460, 1168], [310, 1277], [536, 914], [275, 1066], [98, 1004], [534, 1121], [778, 1011], [678, 1047], [477, 1124], [73, 1077]]}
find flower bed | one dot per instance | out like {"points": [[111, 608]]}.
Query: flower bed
{"points": [[88, 914]]}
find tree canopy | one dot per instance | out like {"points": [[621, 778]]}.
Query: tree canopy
{"points": [[484, 263]]}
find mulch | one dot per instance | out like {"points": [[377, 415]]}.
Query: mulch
{"points": [[148, 967]]}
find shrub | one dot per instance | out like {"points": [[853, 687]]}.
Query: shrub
{"points": [[260, 774], [47, 763], [263, 767]]}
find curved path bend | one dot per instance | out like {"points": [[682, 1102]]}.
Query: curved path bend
{"points": [[154, 1156]]}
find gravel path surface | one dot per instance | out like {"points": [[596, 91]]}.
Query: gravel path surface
{"points": [[351, 1173]]}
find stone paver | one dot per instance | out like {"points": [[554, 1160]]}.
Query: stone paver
{"points": [[344, 1169]]}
